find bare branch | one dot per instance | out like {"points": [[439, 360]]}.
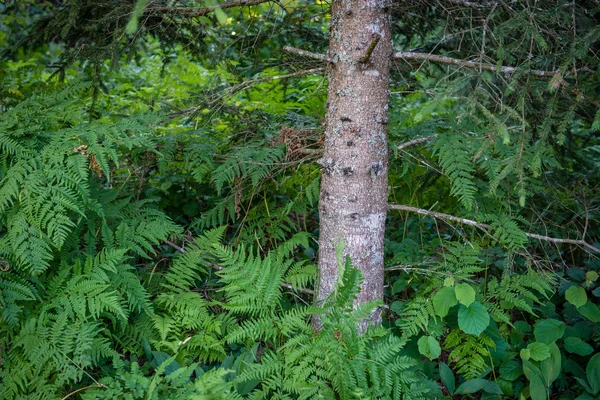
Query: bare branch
{"points": [[415, 142], [438, 215], [370, 49], [305, 53], [245, 84], [221, 268], [192, 12], [473, 4], [407, 55], [482, 226]]}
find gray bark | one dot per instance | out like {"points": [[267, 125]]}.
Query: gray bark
{"points": [[354, 188]]}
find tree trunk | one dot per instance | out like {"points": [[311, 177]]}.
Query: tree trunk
{"points": [[354, 186]]}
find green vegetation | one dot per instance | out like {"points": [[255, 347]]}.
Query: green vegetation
{"points": [[159, 182]]}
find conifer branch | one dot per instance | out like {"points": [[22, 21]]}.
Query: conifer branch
{"points": [[192, 12], [473, 4], [221, 268], [306, 53], [482, 226], [408, 55], [245, 84], [240, 86], [370, 49], [415, 142]]}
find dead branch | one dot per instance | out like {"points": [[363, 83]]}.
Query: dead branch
{"points": [[415, 142], [193, 12], [240, 86], [370, 49], [482, 226], [221, 268], [407, 55], [473, 4], [305, 53]]}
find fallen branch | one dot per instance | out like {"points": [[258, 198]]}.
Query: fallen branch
{"points": [[407, 55], [221, 268], [192, 12], [482, 226]]}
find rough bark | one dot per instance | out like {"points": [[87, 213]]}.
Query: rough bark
{"points": [[354, 186]]}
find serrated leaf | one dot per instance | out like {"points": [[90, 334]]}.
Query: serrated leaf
{"points": [[449, 281], [443, 300], [576, 295], [590, 276], [511, 370], [464, 293], [538, 351], [549, 330], [473, 319]]}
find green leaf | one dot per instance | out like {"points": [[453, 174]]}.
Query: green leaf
{"points": [[447, 377], [473, 319], [585, 384], [551, 366], [538, 351], [593, 373], [576, 295], [525, 354], [219, 13], [429, 347], [449, 281], [443, 300], [578, 346], [590, 311], [549, 330], [471, 386], [537, 389], [511, 370], [492, 387], [530, 370], [585, 396], [590, 276], [465, 294], [475, 385], [138, 11]]}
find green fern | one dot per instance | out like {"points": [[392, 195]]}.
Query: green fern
{"points": [[455, 159], [470, 353]]}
